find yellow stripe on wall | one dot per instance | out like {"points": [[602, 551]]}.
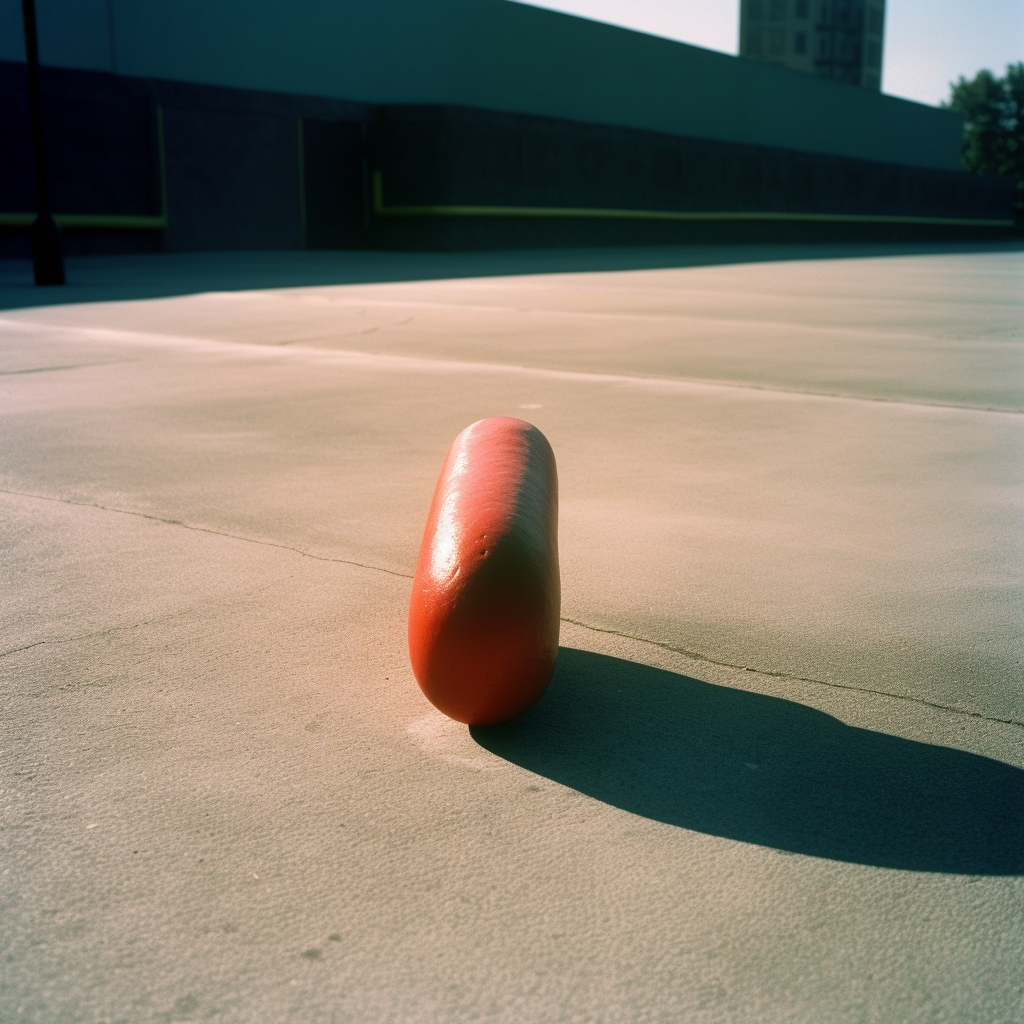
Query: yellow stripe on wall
{"points": [[381, 209], [109, 221]]}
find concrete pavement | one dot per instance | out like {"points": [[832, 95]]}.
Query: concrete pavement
{"points": [[778, 773]]}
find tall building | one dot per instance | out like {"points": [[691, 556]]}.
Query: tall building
{"points": [[837, 39]]}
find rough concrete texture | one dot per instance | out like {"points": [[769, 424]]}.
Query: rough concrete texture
{"points": [[777, 776]]}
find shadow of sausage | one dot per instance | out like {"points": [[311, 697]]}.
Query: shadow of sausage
{"points": [[765, 770]]}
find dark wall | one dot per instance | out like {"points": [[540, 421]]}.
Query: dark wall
{"points": [[487, 54], [232, 159], [101, 150], [241, 175], [232, 168], [460, 156], [335, 180]]}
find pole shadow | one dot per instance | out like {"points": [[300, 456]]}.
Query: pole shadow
{"points": [[765, 770]]}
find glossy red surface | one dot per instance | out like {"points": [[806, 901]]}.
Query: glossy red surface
{"points": [[483, 620]]}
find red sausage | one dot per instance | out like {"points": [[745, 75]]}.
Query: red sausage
{"points": [[483, 621]]}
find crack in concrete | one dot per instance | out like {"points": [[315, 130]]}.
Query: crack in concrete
{"points": [[99, 632], [48, 369], [697, 656], [132, 625], [27, 647], [205, 529], [693, 655]]}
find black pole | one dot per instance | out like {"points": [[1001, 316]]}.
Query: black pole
{"points": [[46, 255]]}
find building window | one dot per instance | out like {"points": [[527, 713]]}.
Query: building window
{"points": [[776, 42], [801, 8], [875, 20], [754, 42], [778, 10], [756, 10], [800, 42], [873, 58]]}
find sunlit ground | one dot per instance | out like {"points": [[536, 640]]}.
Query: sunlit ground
{"points": [[778, 774]]}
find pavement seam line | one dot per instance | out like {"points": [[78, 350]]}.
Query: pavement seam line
{"points": [[48, 369], [689, 320], [99, 632], [123, 629], [27, 647], [204, 529], [693, 655], [466, 366]]}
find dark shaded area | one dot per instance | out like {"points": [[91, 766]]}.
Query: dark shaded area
{"points": [[450, 155], [335, 176], [127, 277], [47, 257], [100, 143], [764, 770], [232, 174], [231, 159], [235, 176]]}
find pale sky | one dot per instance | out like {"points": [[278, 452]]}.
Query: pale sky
{"points": [[928, 43]]}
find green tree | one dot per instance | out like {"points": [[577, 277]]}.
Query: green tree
{"points": [[993, 113]]}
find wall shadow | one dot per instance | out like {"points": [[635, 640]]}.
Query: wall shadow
{"points": [[765, 770], [162, 275]]}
